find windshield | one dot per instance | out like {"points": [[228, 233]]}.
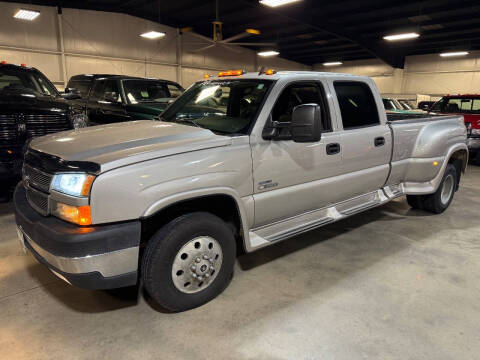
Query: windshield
{"points": [[392, 104], [457, 105], [227, 106], [142, 91], [26, 82]]}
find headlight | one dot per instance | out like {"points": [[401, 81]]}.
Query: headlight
{"points": [[73, 184], [79, 120]]}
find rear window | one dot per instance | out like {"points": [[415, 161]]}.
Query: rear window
{"points": [[457, 105]]}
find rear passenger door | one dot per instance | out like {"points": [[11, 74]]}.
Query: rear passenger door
{"points": [[365, 139]]}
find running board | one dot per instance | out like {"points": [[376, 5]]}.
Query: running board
{"points": [[284, 229]]}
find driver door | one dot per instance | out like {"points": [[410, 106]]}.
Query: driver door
{"points": [[111, 107], [293, 178]]}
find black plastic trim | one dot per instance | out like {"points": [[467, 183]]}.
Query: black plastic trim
{"points": [[53, 164]]}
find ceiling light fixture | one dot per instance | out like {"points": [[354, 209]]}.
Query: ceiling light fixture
{"points": [[29, 15], [455, 53], [405, 36], [333, 63], [153, 35], [275, 3], [268, 53]]}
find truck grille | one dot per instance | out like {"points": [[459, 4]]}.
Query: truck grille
{"points": [[38, 201], [36, 178], [8, 129]]}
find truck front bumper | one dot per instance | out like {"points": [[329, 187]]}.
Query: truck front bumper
{"points": [[473, 144], [94, 257]]}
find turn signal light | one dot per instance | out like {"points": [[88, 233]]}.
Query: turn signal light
{"points": [[80, 215], [231, 73], [87, 185]]}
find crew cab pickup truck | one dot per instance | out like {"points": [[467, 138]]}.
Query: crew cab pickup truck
{"points": [[469, 107], [236, 163]]}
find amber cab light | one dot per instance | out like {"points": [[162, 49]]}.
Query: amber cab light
{"points": [[23, 65], [4, 62], [270, 72], [80, 215], [231, 73]]}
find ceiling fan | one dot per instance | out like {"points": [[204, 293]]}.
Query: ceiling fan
{"points": [[218, 39]]}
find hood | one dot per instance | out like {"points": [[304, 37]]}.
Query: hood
{"points": [[120, 144], [22, 101], [151, 108]]}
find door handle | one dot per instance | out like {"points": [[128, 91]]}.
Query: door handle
{"points": [[333, 149], [379, 141]]}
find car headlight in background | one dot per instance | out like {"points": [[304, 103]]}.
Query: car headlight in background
{"points": [[79, 120], [75, 184]]}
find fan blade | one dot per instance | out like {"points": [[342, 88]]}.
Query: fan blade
{"points": [[253, 44], [236, 37], [201, 37], [202, 48], [231, 48]]}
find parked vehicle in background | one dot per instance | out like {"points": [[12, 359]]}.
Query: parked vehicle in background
{"points": [[118, 98], [30, 106], [394, 106], [406, 104], [469, 107], [238, 161], [425, 105]]}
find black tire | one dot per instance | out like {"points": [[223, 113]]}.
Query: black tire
{"points": [[163, 248], [433, 203], [415, 201]]}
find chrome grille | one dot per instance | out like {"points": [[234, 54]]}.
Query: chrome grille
{"points": [[38, 200], [36, 178], [44, 124], [8, 128]]}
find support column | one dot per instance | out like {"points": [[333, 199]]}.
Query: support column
{"points": [[179, 56], [62, 47]]}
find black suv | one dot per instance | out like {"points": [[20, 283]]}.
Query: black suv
{"points": [[116, 98], [30, 106]]}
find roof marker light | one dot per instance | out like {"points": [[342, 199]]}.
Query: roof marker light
{"points": [[4, 62], [231, 73], [29, 15], [405, 36]]}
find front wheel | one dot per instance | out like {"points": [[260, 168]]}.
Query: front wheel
{"points": [[189, 261]]}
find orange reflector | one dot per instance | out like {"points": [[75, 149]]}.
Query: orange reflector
{"points": [[270, 72], [231, 73], [23, 65], [10, 151], [253, 31], [87, 185], [80, 215]]}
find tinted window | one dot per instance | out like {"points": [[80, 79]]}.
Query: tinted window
{"points": [[461, 105], [175, 91], [357, 104], [111, 86], [83, 86], [23, 81], [299, 94], [97, 91]]}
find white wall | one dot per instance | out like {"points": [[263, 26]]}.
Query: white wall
{"points": [[101, 42], [423, 74]]}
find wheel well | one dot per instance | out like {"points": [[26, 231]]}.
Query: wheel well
{"points": [[459, 160], [223, 206]]}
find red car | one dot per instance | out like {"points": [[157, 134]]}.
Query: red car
{"points": [[469, 107]]}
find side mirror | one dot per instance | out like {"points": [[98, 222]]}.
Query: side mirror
{"points": [[71, 90], [306, 123], [71, 94], [111, 97]]}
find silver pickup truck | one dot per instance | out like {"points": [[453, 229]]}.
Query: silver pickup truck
{"points": [[236, 163]]}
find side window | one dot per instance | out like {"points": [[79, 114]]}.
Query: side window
{"points": [[97, 90], [81, 85], [299, 94], [174, 90], [357, 104], [111, 87]]}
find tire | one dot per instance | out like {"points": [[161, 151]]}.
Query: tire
{"points": [[172, 252], [415, 201], [439, 201]]}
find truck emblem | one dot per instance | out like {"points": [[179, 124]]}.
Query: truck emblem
{"points": [[267, 184], [22, 127]]}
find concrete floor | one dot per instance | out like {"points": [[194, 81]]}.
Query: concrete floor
{"points": [[392, 283]]}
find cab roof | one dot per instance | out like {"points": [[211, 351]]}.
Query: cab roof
{"points": [[285, 75]]}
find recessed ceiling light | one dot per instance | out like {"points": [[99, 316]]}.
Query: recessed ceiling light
{"points": [[153, 35], [454, 53], [333, 63], [26, 14], [401, 36], [275, 3], [268, 53]]}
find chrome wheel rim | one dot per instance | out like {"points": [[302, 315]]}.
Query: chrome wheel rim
{"points": [[197, 264], [447, 189]]}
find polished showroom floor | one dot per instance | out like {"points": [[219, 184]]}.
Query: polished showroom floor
{"points": [[391, 283]]}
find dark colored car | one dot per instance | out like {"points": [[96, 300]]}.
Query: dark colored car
{"points": [[30, 106], [117, 98], [425, 105]]}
